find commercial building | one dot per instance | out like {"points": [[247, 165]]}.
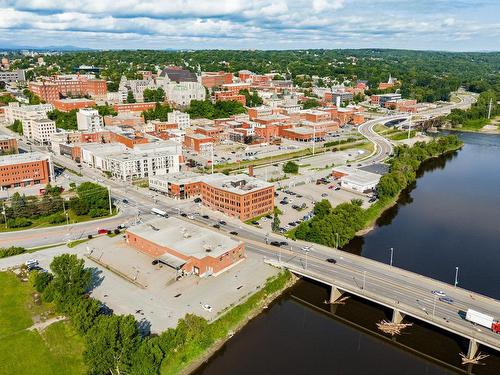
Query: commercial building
{"points": [[8, 145], [215, 79], [199, 142], [239, 195], [381, 99], [39, 130], [180, 85], [356, 179], [338, 97], [226, 96], [89, 120], [133, 107], [12, 76], [67, 105], [183, 246], [136, 87], [19, 170], [182, 119], [23, 113]]}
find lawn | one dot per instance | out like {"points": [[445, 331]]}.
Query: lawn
{"points": [[56, 350]]}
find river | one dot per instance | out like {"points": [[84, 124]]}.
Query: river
{"points": [[449, 218]]}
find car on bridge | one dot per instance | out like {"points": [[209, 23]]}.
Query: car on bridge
{"points": [[331, 260], [439, 293], [447, 300]]}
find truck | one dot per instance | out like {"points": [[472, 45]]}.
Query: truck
{"points": [[157, 211], [484, 320]]}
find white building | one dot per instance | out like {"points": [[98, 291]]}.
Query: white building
{"points": [[96, 154], [357, 179], [39, 130], [133, 165], [12, 76], [180, 86], [88, 119], [182, 119], [14, 111], [136, 86]]}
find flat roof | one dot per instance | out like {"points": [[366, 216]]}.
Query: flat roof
{"points": [[238, 184], [378, 168], [304, 130], [357, 176], [185, 238], [26, 157]]}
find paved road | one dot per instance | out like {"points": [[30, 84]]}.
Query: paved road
{"points": [[405, 291]]}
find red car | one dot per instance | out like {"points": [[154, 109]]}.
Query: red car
{"points": [[102, 231]]}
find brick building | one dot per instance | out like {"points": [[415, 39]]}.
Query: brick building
{"points": [[215, 79], [238, 195], [184, 247], [67, 105], [226, 96], [26, 169], [8, 145], [198, 142], [134, 107], [51, 89]]}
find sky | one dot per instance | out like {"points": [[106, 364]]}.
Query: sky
{"points": [[458, 25]]}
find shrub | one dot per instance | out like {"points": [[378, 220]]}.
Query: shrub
{"points": [[10, 251], [98, 212], [19, 222], [291, 167], [56, 218], [40, 280]]}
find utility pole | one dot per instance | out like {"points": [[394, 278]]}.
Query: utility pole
{"points": [[489, 108], [392, 254], [456, 276], [314, 137], [109, 199], [409, 128], [336, 240], [4, 214]]}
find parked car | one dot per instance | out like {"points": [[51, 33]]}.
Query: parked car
{"points": [[284, 243], [102, 231], [255, 222], [191, 217], [216, 226], [205, 216], [184, 214], [275, 243], [337, 188], [233, 233], [206, 307], [222, 222], [124, 201], [324, 195], [197, 200]]}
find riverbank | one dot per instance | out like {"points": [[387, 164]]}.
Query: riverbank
{"points": [[337, 226], [195, 352]]}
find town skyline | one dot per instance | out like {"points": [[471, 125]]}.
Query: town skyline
{"points": [[265, 25]]}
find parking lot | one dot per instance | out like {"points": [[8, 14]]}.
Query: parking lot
{"points": [[128, 283], [297, 203]]}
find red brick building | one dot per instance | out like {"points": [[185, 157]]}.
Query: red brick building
{"points": [[226, 96], [26, 169], [67, 105], [134, 107], [8, 145], [52, 88], [198, 142], [184, 247], [215, 79]]}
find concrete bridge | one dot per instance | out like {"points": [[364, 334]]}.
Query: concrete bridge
{"points": [[404, 292]]}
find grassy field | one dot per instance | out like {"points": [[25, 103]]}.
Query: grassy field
{"points": [[56, 350], [42, 222]]}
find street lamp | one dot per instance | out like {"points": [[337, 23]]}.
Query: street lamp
{"points": [[392, 255], [456, 276]]}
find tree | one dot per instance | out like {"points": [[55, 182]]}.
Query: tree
{"points": [[152, 95], [71, 280], [291, 167], [105, 110], [130, 97], [322, 208], [17, 127], [147, 359], [40, 280], [84, 313], [311, 103], [111, 345], [64, 120], [159, 112], [275, 226]]}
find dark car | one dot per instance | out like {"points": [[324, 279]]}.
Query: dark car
{"points": [[216, 226], [233, 233], [255, 222], [155, 262], [183, 214], [283, 202], [284, 243], [446, 300], [331, 260], [205, 217], [292, 224], [124, 201], [276, 243], [337, 188], [222, 222], [269, 216], [197, 200]]}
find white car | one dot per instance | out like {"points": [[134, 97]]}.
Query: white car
{"points": [[190, 217], [31, 262], [439, 293], [264, 219], [207, 307]]}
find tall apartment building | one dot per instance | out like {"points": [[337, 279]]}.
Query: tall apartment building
{"points": [[14, 111], [40, 130], [88, 119], [26, 169], [12, 76], [182, 119], [132, 165], [238, 195], [180, 85]]}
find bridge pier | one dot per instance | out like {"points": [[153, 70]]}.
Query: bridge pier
{"points": [[473, 347], [397, 316], [335, 294]]}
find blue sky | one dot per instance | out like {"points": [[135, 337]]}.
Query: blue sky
{"points": [[459, 25]]}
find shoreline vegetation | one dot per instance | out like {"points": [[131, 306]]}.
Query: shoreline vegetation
{"points": [[335, 227], [119, 344]]}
